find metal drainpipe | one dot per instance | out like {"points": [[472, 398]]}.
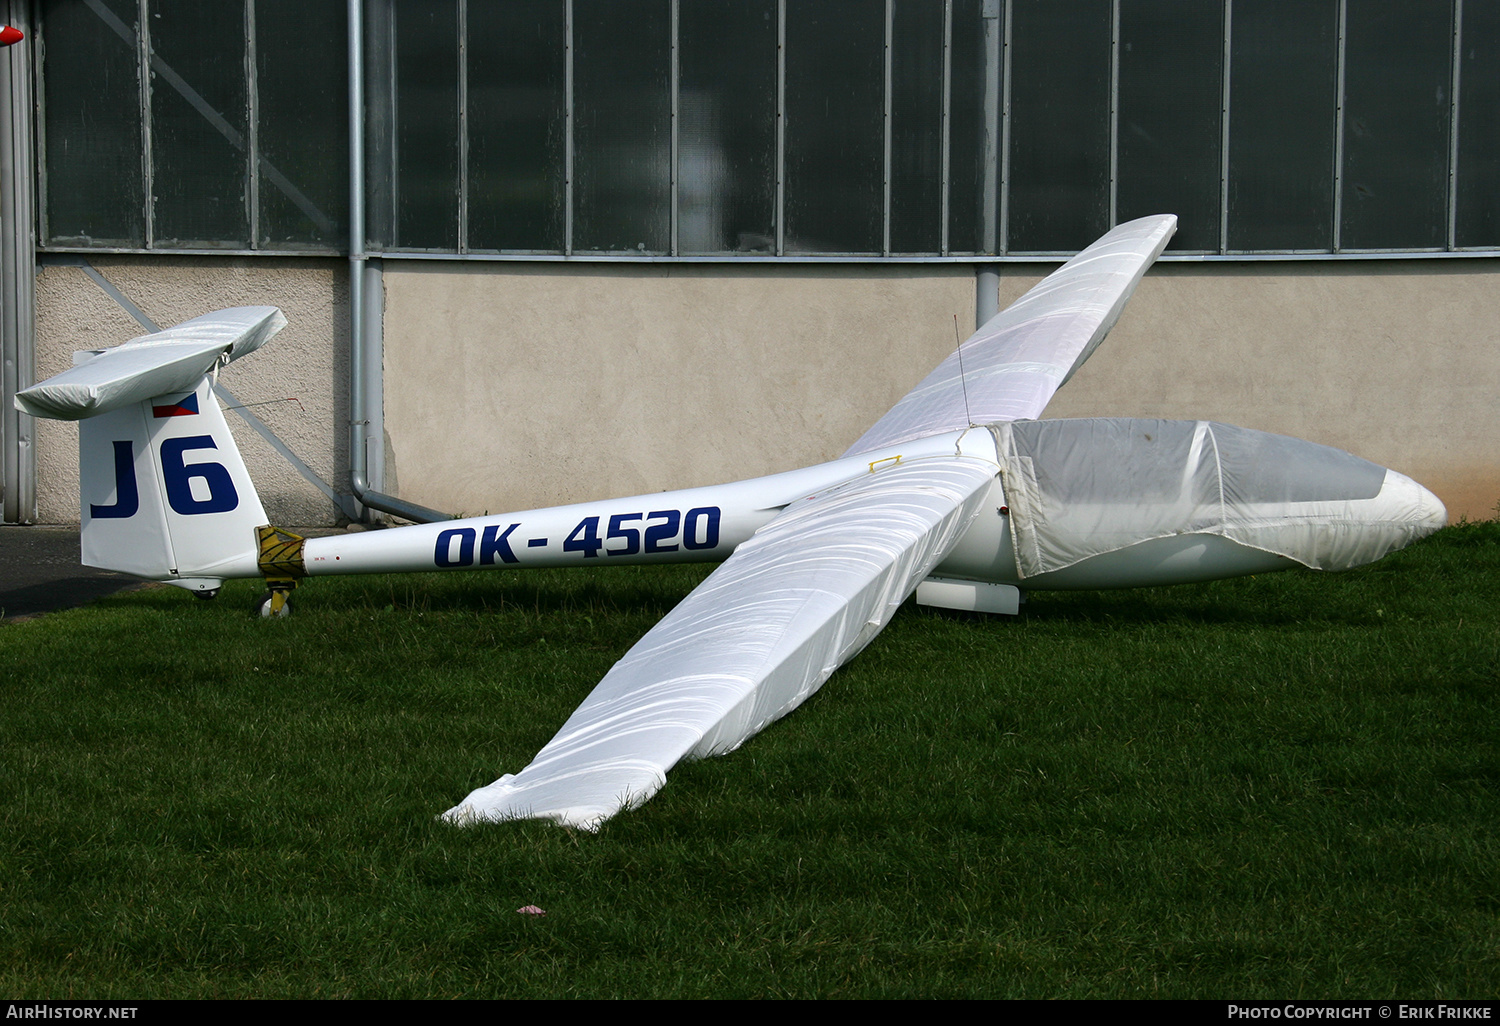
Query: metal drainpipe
{"points": [[365, 312], [17, 270], [986, 293], [987, 276]]}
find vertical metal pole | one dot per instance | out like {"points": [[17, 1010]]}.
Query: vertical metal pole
{"points": [[357, 395], [989, 27], [568, 123], [947, 157], [1114, 111], [39, 61], [885, 173], [780, 127], [987, 276], [986, 292], [1458, 54], [372, 349], [1224, 79], [1338, 139], [143, 66], [1004, 234], [17, 271], [385, 50], [676, 109], [252, 128], [378, 123], [463, 126], [367, 303]]}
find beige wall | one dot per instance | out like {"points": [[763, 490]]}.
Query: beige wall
{"points": [[517, 385], [537, 384], [307, 360], [512, 386]]}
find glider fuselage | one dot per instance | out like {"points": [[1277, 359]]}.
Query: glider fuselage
{"points": [[707, 524]]}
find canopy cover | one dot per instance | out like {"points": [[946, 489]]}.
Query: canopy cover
{"points": [[1081, 488]]}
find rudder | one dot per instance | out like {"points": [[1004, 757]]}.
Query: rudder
{"points": [[164, 493]]}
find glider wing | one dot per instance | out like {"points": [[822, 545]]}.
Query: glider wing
{"points": [[750, 644], [1013, 364]]}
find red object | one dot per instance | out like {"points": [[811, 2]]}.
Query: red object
{"points": [[10, 35]]}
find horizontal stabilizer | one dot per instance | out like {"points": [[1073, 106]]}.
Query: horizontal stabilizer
{"points": [[168, 362], [799, 599]]}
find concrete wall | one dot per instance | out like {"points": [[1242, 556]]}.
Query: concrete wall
{"points": [[537, 384], [510, 386], [514, 386], [308, 360]]}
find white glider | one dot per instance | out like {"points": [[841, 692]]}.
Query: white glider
{"points": [[957, 493]]}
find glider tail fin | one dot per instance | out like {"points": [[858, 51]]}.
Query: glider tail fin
{"points": [[164, 493]]}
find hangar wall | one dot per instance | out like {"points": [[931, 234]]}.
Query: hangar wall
{"points": [[559, 384], [537, 384], [509, 386]]}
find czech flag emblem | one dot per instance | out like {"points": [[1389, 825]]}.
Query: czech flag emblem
{"points": [[187, 406]]}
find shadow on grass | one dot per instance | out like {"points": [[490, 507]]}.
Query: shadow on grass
{"points": [[564, 591], [557, 591], [1215, 604]]}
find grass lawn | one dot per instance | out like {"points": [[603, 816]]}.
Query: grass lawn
{"points": [[1284, 786]]}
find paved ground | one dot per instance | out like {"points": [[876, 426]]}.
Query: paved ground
{"points": [[40, 571]]}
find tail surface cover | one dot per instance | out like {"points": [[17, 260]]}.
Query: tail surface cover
{"points": [[167, 361], [164, 493]]}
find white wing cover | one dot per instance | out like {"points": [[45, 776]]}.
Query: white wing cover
{"points": [[1017, 359], [750, 644], [167, 362]]}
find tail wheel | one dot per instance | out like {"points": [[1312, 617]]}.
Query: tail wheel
{"points": [[274, 603], [277, 601]]}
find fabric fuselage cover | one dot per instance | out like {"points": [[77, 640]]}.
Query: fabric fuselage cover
{"points": [[1080, 488]]}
